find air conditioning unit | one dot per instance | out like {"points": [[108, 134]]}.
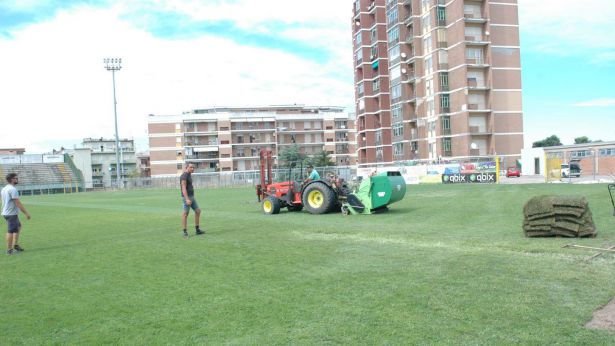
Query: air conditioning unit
{"points": [[404, 71], [403, 55]]}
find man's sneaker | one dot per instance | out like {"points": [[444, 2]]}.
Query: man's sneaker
{"points": [[18, 248], [186, 234], [10, 252], [199, 231]]}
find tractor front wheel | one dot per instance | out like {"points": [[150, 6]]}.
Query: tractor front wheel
{"points": [[318, 198], [271, 205]]}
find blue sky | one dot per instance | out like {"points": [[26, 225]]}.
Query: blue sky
{"points": [[180, 55]]}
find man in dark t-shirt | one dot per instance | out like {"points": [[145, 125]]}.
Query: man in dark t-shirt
{"points": [[189, 202]]}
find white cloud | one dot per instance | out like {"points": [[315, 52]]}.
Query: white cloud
{"points": [[57, 88], [597, 103], [568, 26]]}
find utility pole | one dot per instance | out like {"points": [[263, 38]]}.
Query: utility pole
{"points": [[115, 64]]}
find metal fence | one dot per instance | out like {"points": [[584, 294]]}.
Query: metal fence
{"points": [[232, 179]]}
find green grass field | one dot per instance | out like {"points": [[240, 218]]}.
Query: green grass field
{"points": [[447, 265]]}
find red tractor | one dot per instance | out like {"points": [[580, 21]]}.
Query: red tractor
{"points": [[318, 196]]}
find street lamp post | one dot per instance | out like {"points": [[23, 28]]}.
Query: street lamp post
{"points": [[115, 64]]}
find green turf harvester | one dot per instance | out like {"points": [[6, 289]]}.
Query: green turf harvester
{"points": [[375, 193]]}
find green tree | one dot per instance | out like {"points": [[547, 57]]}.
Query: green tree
{"points": [[581, 140], [550, 141], [322, 159], [289, 155]]}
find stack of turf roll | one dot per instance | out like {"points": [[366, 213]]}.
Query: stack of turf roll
{"points": [[564, 216]]}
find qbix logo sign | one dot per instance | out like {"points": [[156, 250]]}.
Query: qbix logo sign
{"points": [[472, 178]]}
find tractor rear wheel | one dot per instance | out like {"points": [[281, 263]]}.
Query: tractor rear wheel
{"points": [[318, 198], [271, 205]]}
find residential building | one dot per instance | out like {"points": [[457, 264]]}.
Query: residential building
{"points": [[437, 79], [103, 160], [230, 138]]}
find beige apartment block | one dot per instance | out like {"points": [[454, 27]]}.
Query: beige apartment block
{"points": [[230, 139], [437, 79]]}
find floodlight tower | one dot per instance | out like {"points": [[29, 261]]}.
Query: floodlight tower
{"points": [[115, 64]]}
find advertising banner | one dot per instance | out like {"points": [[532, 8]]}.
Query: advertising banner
{"points": [[469, 178], [7, 159], [32, 158], [53, 158]]}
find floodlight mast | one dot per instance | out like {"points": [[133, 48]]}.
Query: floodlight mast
{"points": [[115, 64]]}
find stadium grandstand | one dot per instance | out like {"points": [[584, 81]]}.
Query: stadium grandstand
{"points": [[42, 174]]}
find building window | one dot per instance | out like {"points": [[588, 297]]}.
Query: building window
{"points": [[395, 73], [426, 21], [394, 35], [445, 103], [360, 89], [474, 55], [429, 87], [427, 44], [441, 37], [441, 15], [376, 85], [374, 53], [392, 16], [398, 149], [580, 153], [395, 92], [447, 146], [359, 56], [444, 81], [398, 129], [357, 6], [446, 125], [394, 52], [428, 65], [396, 112], [607, 152], [358, 39], [374, 35]]}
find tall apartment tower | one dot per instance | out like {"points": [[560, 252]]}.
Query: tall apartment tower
{"points": [[437, 79]]}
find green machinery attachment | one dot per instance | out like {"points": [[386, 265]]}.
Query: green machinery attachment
{"points": [[375, 193]]}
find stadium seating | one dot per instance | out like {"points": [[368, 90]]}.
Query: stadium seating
{"points": [[40, 176]]}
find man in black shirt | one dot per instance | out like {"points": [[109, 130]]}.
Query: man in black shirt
{"points": [[189, 201]]}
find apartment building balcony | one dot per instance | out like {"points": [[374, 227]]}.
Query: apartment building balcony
{"points": [[408, 76], [478, 108], [477, 62], [409, 21], [409, 39], [252, 142], [299, 131], [201, 158], [473, 84], [371, 9], [475, 41], [195, 131], [447, 153], [480, 130], [475, 17], [445, 132], [252, 130]]}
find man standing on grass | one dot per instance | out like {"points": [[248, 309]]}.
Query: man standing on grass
{"points": [[189, 201], [10, 210]]}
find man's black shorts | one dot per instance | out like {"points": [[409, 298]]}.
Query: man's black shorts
{"points": [[14, 224]]}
